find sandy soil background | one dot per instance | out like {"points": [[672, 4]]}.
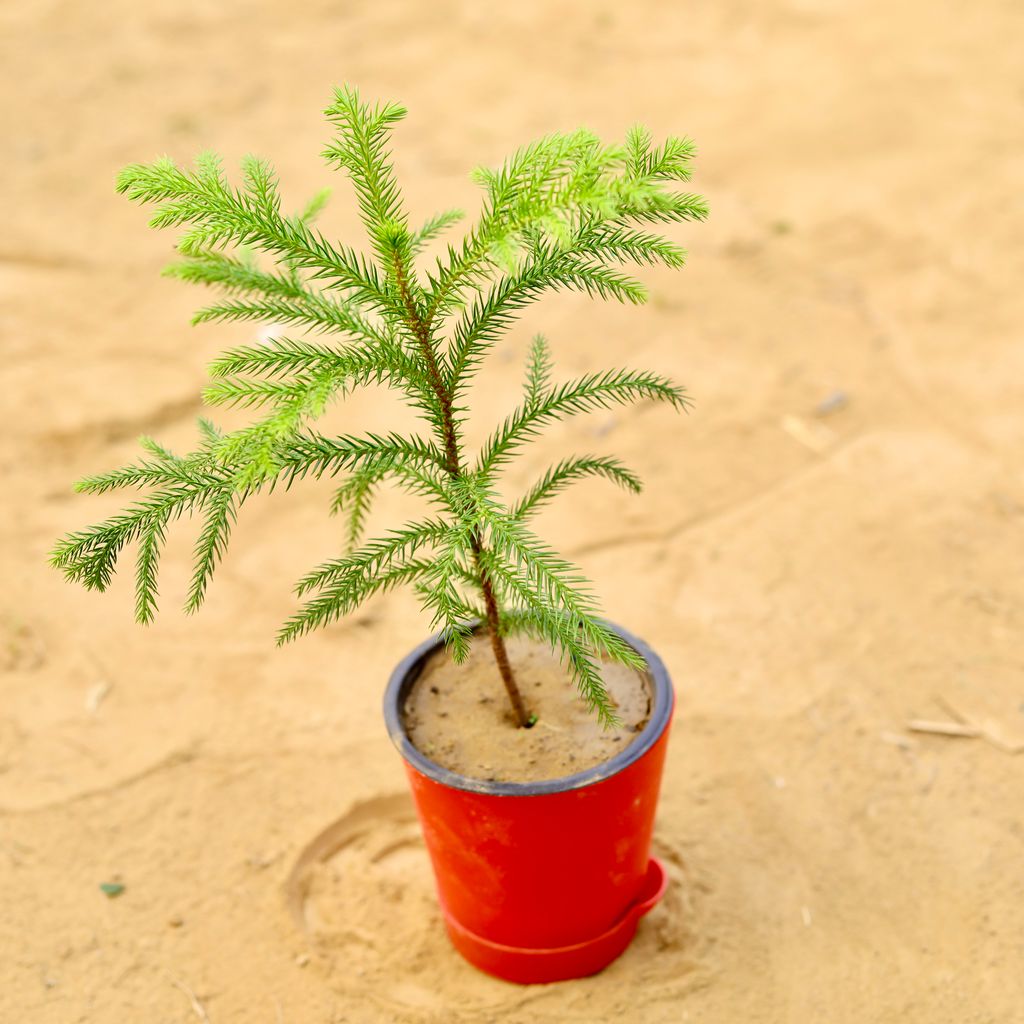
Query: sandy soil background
{"points": [[828, 547]]}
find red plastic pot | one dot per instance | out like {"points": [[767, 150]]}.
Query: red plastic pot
{"points": [[542, 881]]}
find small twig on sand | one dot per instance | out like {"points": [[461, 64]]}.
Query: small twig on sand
{"points": [[964, 726], [988, 730], [197, 1007], [943, 728]]}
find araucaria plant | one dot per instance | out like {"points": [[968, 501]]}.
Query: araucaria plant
{"points": [[565, 212]]}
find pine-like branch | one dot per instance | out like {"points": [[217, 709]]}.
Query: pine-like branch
{"points": [[560, 476], [218, 215], [629, 245], [549, 192], [312, 454], [234, 275], [220, 510], [538, 370], [587, 394], [355, 495], [440, 594], [315, 313], [347, 595], [278, 357], [89, 556], [434, 228], [147, 562], [361, 150], [492, 313], [376, 556], [292, 369]]}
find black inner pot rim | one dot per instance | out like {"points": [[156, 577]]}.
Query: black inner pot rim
{"points": [[408, 670]]}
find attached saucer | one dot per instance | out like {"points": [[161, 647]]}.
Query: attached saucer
{"points": [[533, 966]]}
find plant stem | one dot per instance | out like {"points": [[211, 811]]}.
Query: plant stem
{"points": [[421, 332], [523, 717]]}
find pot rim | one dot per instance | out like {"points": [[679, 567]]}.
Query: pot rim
{"points": [[407, 672]]}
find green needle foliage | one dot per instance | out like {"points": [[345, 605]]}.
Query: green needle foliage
{"points": [[565, 212]]}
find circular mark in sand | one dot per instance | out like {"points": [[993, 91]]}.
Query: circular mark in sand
{"points": [[362, 891]]}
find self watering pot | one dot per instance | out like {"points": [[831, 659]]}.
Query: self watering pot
{"points": [[542, 881]]}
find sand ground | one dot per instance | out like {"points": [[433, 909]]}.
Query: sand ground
{"points": [[828, 546]]}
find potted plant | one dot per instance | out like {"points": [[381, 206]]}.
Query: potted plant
{"points": [[537, 803]]}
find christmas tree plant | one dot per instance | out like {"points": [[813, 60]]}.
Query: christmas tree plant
{"points": [[565, 212]]}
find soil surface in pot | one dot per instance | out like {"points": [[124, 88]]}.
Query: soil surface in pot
{"points": [[459, 715]]}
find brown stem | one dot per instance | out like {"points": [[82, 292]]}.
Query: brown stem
{"points": [[523, 717], [453, 464], [422, 333]]}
